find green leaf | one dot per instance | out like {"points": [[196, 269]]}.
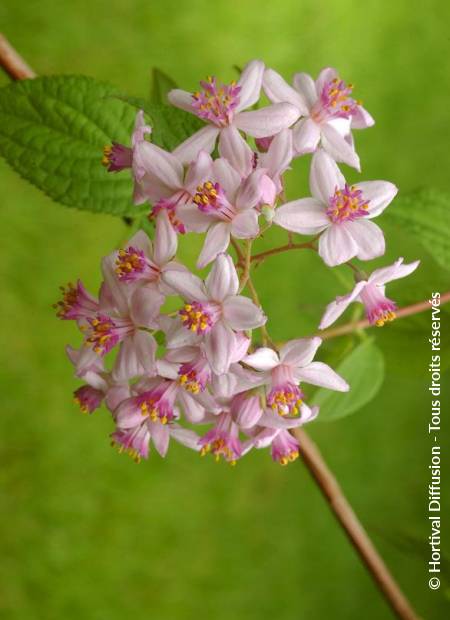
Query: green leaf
{"points": [[170, 126], [52, 132], [161, 85], [426, 215], [363, 369]]}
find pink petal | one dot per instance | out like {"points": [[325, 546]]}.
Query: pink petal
{"points": [[368, 237], [337, 307], [267, 121], [202, 140], [145, 348], [273, 420], [322, 375], [279, 155], [279, 91], [192, 409], [308, 414], [324, 177], [362, 119], [185, 437], [141, 241], [219, 346], [249, 193], [262, 359], [379, 194], [250, 83], [193, 219], [159, 165], [128, 414], [337, 146], [187, 285], [217, 240], [166, 240], [393, 272], [306, 216], [115, 291], [181, 99], [240, 313], [245, 224], [199, 171], [325, 76], [225, 174], [222, 280], [127, 365], [145, 304], [160, 435], [299, 352], [306, 134], [235, 150], [336, 245], [305, 85]]}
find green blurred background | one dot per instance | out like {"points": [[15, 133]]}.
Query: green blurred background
{"points": [[85, 533]]}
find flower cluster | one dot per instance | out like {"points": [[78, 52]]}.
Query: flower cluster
{"points": [[166, 375]]}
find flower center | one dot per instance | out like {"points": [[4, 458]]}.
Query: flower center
{"points": [[379, 309], [117, 157], [336, 99], [198, 317], [104, 332], [76, 302], [216, 103], [194, 377], [284, 448], [347, 204], [211, 198], [285, 399], [157, 404], [88, 398], [132, 264]]}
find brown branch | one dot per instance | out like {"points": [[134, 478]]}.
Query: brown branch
{"points": [[282, 248], [348, 328], [346, 516], [12, 63]]}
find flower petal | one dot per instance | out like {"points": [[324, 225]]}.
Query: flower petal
{"points": [[145, 304], [322, 375], [262, 359], [187, 285], [114, 292], [222, 280], [219, 347], [192, 409], [279, 154], [160, 435], [185, 436], [379, 194], [273, 420], [299, 352], [193, 219], [338, 147], [245, 224], [305, 85], [267, 121], [306, 136], [362, 119], [250, 83], [199, 171], [337, 307], [368, 237], [325, 76], [240, 313], [166, 240], [159, 165], [336, 245], [225, 174], [181, 99], [217, 240], [393, 272], [235, 150], [141, 241], [324, 177], [279, 91], [202, 140], [306, 216], [249, 193]]}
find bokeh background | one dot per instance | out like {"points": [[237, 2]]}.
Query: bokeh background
{"points": [[86, 533]]}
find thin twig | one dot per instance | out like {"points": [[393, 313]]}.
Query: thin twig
{"points": [[13, 63], [264, 333], [349, 521], [348, 328], [282, 248], [247, 264]]}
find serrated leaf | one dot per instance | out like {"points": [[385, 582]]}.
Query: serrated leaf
{"points": [[426, 215], [52, 132], [161, 85], [363, 369], [170, 125]]}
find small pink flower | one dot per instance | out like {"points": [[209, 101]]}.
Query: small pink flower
{"points": [[342, 213], [215, 311], [285, 448], [329, 112], [221, 106], [370, 292], [76, 303], [246, 409], [222, 440], [88, 398]]}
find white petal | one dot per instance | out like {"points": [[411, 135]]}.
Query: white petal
{"points": [[262, 359], [187, 285], [250, 83], [235, 150], [368, 237], [126, 365], [166, 240], [160, 435], [141, 241], [279, 154], [306, 135], [379, 194], [337, 307], [202, 140], [245, 224], [325, 76], [222, 280], [267, 121], [362, 119], [199, 171], [192, 409], [336, 245], [299, 352], [145, 304], [250, 191], [240, 313], [305, 85], [279, 91], [181, 99], [273, 420], [117, 292], [338, 147], [325, 177], [322, 375], [219, 347], [185, 436], [306, 216], [193, 219], [225, 174], [159, 165], [145, 347], [393, 272], [217, 240]]}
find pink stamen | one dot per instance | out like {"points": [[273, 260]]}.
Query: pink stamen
{"points": [[194, 376], [132, 265], [117, 157], [285, 448], [133, 441], [211, 198], [158, 403], [215, 103], [76, 303], [199, 317], [379, 309], [347, 204], [222, 440], [104, 332], [335, 101]]}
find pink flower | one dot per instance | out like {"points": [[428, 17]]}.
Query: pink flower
{"points": [[379, 309], [328, 112], [76, 303], [221, 106], [342, 213], [274, 162], [215, 311], [222, 440]]}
